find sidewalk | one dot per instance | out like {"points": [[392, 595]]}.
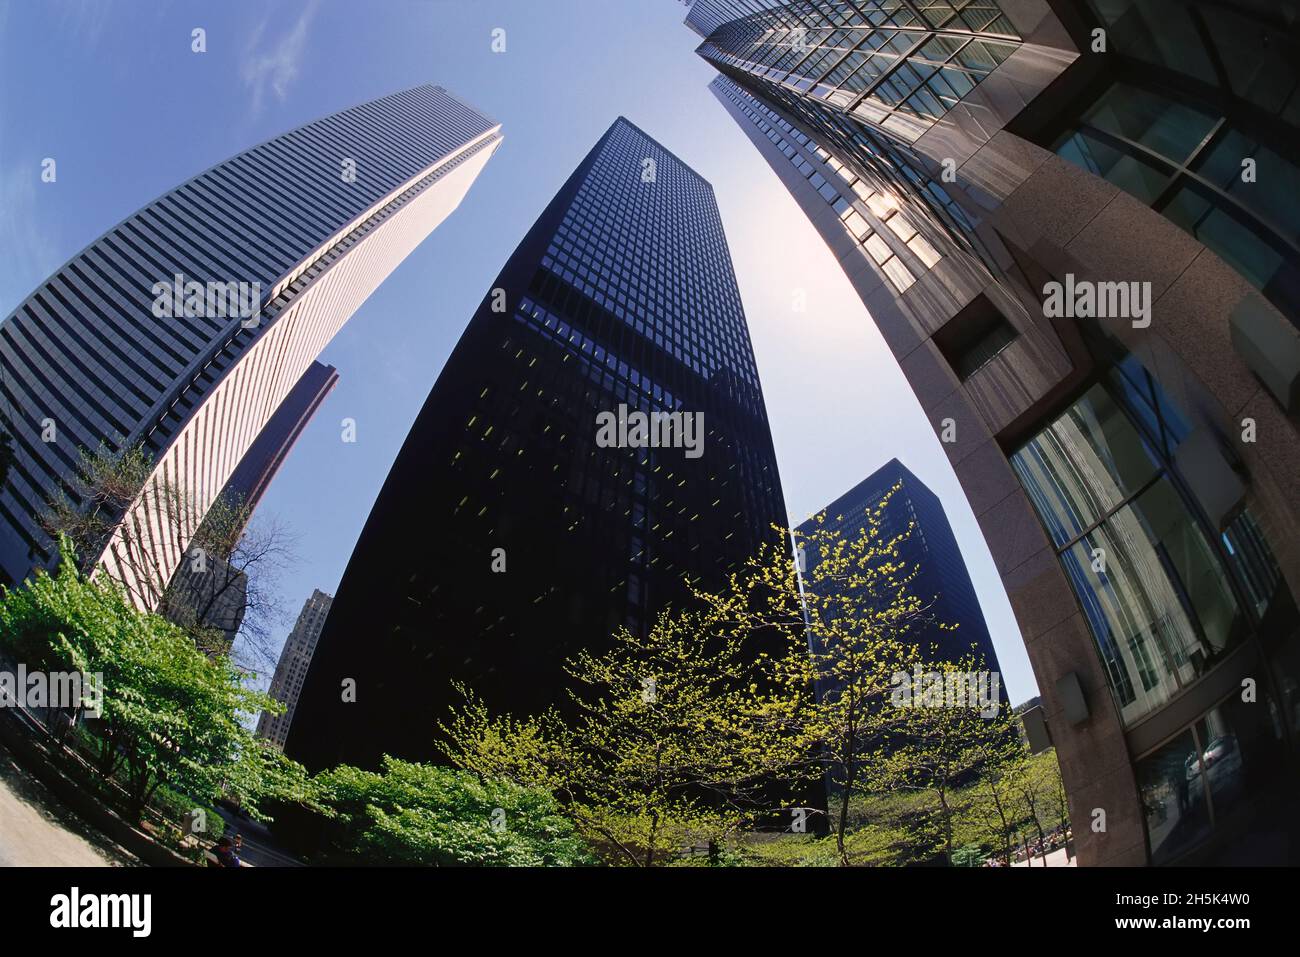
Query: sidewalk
{"points": [[1055, 858], [37, 831]]}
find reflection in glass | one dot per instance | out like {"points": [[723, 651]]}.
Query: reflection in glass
{"points": [[1083, 465], [1168, 128], [1131, 174], [1154, 593], [1225, 775], [1173, 798]]}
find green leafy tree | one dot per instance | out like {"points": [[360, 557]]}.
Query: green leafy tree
{"points": [[1043, 793], [696, 730], [852, 596], [995, 808], [676, 738], [1058, 800], [170, 714], [420, 814], [944, 737]]}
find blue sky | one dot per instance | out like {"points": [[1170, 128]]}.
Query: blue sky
{"points": [[112, 92]]}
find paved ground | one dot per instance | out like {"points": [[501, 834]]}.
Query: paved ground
{"points": [[37, 831], [1055, 858]]}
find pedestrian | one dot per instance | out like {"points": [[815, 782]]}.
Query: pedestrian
{"points": [[226, 853]]}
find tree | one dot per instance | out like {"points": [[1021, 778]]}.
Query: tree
{"points": [[944, 737], [170, 714], [90, 509], [996, 811], [678, 737], [1059, 800], [227, 583], [855, 607], [420, 814], [1043, 793], [230, 563], [684, 733]]}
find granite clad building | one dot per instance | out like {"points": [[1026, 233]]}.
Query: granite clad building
{"points": [[1074, 224], [285, 241], [507, 537]]}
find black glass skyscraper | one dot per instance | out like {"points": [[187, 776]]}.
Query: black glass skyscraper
{"points": [[508, 534], [942, 582]]}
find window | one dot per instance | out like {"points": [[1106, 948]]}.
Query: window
{"points": [[857, 225], [1223, 93], [1154, 591], [1224, 770], [970, 339]]}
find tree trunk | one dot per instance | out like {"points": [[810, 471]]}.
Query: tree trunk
{"points": [[947, 824], [1006, 827]]}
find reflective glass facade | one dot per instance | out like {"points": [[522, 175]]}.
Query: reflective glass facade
{"points": [[1166, 597], [1174, 583], [1219, 792], [621, 295], [870, 212], [893, 64], [880, 158], [1200, 119]]}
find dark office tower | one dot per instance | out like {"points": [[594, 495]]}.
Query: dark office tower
{"points": [[252, 477], [1075, 224], [183, 328], [508, 536], [941, 582]]}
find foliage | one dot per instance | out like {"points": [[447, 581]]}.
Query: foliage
{"points": [[170, 715], [230, 565], [901, 827], [968, 855], [676, 738], [937, 746], [411, 814], [691, 735], [107, 481], [862, 616]]}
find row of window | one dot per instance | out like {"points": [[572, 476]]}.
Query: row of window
{"points": [[882, 207], [882, 63]]}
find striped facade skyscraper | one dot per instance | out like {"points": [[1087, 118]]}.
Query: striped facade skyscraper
{"points": [[262, 461], [182, 329]]}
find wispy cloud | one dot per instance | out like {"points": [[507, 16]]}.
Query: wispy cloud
{"points": [[269, 68], [29, 245], [85, 20]]}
